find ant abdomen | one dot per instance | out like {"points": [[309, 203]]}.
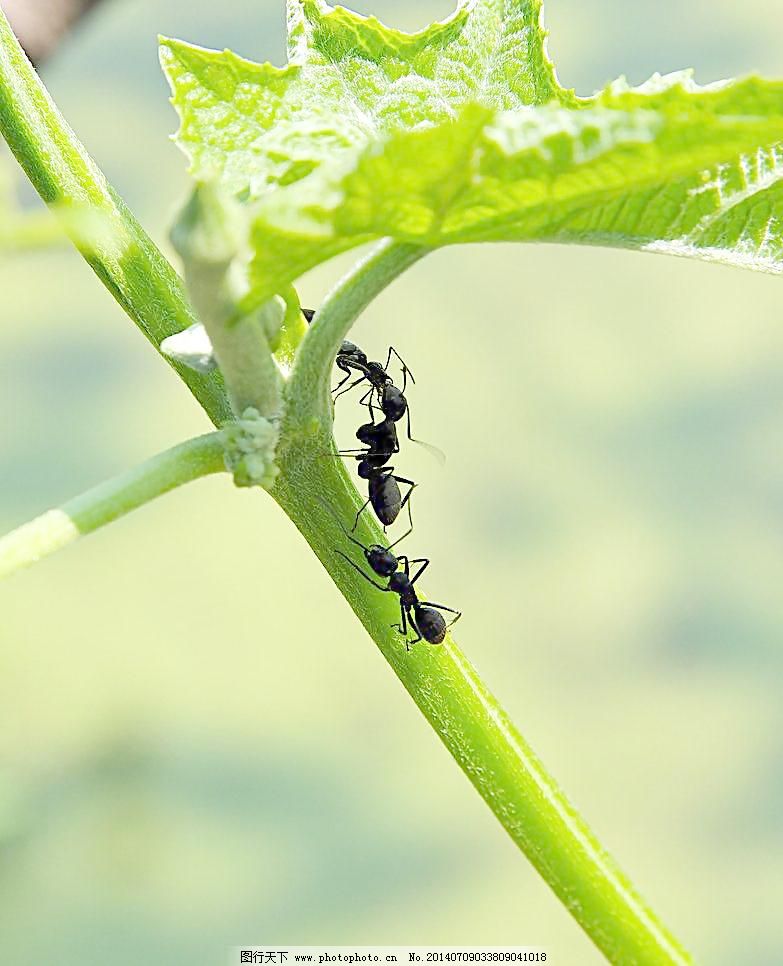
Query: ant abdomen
{"points": [[393, 402], [430, 623], [385, 497]]}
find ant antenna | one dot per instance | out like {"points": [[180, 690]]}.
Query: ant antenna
{"points": [[359, 570], [330, 510], [434, 451]]}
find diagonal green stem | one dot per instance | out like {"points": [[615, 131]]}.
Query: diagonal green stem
{"points": [[111, 500], [127, 261]]}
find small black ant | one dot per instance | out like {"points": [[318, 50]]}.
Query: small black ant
{"points": [[391, 400], [379, 438], [423, 615], [383, 492]]}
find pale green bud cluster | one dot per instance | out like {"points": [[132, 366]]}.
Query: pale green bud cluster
{"points": [[250, 449]]}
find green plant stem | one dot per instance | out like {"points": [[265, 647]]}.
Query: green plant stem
{"points": [[477, 732], [468, 719], [245, 359], [126, 260], [470, 722], [110, 500]]}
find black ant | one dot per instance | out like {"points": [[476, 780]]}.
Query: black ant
{"points": [[391, 400], [380, 438], [383, 491], [423, 615]]}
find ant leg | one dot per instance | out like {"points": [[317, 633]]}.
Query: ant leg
{"points": [[340, 383], [366, 400], [408, 532], [411, 484], [407, 561], [405, 370], [408, 419], [359, 570], [424, 564], [344, 379], [402, 627], [358, 514], [348, 388], [409, 644], [339, 522]]}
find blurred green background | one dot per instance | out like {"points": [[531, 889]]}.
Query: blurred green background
{"points": [[199, 746]]}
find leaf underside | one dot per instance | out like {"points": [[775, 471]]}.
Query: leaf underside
{"points": [[461, 132]]}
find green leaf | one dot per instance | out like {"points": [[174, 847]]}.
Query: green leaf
{"points": [[350, 81], [460, 132]]}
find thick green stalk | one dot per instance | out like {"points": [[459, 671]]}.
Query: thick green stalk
{"points": [[55, 529], [126, 259]]}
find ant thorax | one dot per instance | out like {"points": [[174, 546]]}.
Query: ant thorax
{"points": [[378, 434], [377, 374], [400, 584]]}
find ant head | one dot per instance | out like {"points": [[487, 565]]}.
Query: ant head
{"points": [[349, 349], [398, 582], [382, 561]]}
